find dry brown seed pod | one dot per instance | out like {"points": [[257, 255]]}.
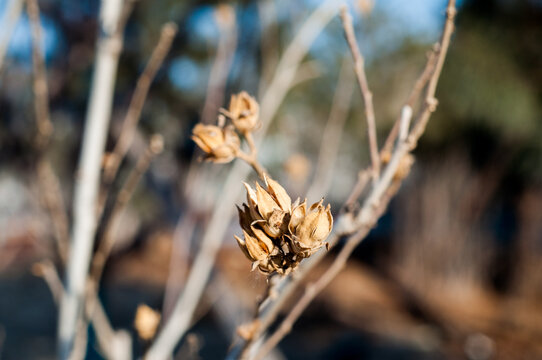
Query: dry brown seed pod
{"points": [[276, 223], [221, 145], [280, 195], [298, 214], [244, 112], [312, 231], [258, 250], [266, 203]]}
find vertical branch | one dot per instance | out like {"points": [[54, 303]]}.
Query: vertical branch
{"points": [[359, 69], [169, 30], [41, 100], [413, 97], [9, 20], [269, 38], [154, 148], [48, 182], [179, 322], [372, 209], [227, 43], [86, 188]]}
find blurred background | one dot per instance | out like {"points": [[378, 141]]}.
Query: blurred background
{"points": [[453, 269]]}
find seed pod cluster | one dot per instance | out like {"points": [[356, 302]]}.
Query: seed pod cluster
{"points": [[278, 235], [221, 143]]}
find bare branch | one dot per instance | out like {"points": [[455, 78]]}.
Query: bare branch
{"points": [[373, 207], [51, 193], [413, 97], [86, 188], [125, 194], [359, 69], [227, 43], [312, 290], [169, 30], [179, 322], [47, 271], [48, 182], [41, 103]]}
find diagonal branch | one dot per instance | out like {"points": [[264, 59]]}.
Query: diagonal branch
{"points": [[347, 223], [381, 194], [169, 30], [180, 319], [359, 69]]}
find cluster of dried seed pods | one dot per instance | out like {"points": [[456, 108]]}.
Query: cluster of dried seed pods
{"points": [[277, 233], [221, 142]]}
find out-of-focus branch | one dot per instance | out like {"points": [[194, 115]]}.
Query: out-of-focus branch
{"points": [[155, 147], [9, 20], [88, 180], [177, 325], [227, 43], [48, 182], [252, 157], [412, 98], [347, 223], [312, 290], [50, 192], [47, 271], [50, 189], [269, 41], [41, 102], [169, 30], [332, 134], [359, 69], [106, 336]]}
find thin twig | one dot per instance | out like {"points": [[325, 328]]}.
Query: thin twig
{"points": [[179, 322], [359, 69], [413, 97], [359, 187], [269, 41], [125, 194], [104, 332], [331, 139], [169, 30], [227, 44], [252, 157], [379, 197], [41, 103], [51, 193], [376, 201], [87, 185], [48, 182], [47, 271], [117, 345], [312, 290]]}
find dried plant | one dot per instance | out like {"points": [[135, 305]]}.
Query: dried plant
{"points": [[279, 236]]}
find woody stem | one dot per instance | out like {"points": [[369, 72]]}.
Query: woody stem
{"points": [[252, 161]]}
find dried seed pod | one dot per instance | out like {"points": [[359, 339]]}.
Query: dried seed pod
{"points": [[220, 144], [244, 112], [279, 194], [278, 235], [309, 235], [298, 214]]}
